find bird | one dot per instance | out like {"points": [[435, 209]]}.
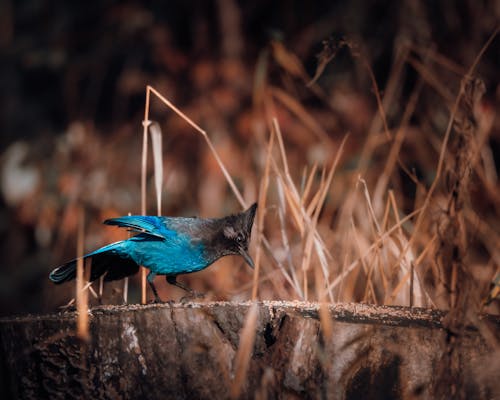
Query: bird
{"points": [[168, 246]]}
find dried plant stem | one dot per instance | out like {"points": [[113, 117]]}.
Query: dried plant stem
{"points": [[325, 317], [313, 225], [230, 181], [284, 236], [439, 59], [369, 204], [156, 141], [408, 274], [369, 285], [444, 147], [307, 188], [377, 242], [82, 324], [412, 267], [245, 349], [125, 290], [296, 108], [125, 281], [144, 164], [261, 212], [101, 286], [393, 157]]}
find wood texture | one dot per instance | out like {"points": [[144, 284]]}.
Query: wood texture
{"points": [[187, 351]]}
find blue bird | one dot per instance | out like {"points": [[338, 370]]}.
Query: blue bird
{"points": [[167, 246]]}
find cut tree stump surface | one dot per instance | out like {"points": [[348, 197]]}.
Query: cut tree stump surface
{"points": [[188, 351]]}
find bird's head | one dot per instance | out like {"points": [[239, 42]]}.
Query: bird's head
{"points": [[236, 231]]}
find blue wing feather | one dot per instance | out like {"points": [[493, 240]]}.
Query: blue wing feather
{"points": [[151, 225]]}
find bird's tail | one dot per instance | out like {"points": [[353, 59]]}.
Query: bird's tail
{"points": [[63, 273], [109, 261]]}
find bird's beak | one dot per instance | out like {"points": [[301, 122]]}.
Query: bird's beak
{"points": [[247, 257]]}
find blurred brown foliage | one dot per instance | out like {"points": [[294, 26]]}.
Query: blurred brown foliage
{"points": [[75, 74]]}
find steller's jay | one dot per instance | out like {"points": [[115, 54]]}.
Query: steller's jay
{"points": [[167, 246]]}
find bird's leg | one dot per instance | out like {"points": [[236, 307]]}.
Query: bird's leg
{"points": [[173, 281], [151, 277]]}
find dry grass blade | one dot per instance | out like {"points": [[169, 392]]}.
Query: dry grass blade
{"points": [[284, 237], [125, 281], [261, 212], [156, 142], [288, 61], [312, 233], [229, 180], [82, 323], [369, 204], [316, 198], [431, 78], [367, 269], [101, 286], [244, 352], [293, 205], [412, 271], [325, 319], [308, 185], [393, 157], [302, 216], [144, 164], [440, 59], [444, 146], [377, 243], [125, 290], [300, 112]]}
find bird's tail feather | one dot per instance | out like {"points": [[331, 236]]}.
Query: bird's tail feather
{"points": [[106, 261], [64, 273]]}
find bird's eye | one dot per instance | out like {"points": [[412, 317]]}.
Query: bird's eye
{"points": [[239, 238]]}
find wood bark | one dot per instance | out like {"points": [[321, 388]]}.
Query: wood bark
{"points": [[187, 351]]}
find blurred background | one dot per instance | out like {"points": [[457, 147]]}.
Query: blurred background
{"points": [[73, 78]]}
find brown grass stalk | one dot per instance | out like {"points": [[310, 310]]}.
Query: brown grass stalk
{"points": [[244, 352], [409, 273], [376, 243], [261, 213], [156, 142], [82, 323], [144, 163], [284, 237], [393, 157], [444, 146]]}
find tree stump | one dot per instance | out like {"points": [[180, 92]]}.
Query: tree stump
{"points": [[187, 351]]}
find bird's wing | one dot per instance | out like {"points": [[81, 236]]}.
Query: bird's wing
{"points": [[150, 225]]}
